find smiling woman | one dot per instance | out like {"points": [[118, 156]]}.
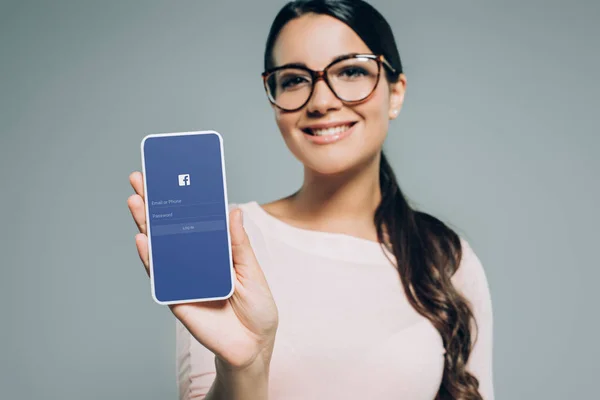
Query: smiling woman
{"points": [[343, 290]]}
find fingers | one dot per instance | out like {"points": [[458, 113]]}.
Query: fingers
{"points": [[137, 183], [138, 211], [141, 242], [136, 201]]}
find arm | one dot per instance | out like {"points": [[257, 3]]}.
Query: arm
{"points": [[470, 279], [201, 375]]}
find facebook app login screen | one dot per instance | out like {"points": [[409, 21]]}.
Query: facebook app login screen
{"points": [[187, 211]]}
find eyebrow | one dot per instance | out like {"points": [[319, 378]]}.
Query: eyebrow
{"points": [[303, 65]]}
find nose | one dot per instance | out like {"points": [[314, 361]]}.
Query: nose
{"points": [[322, 99]]}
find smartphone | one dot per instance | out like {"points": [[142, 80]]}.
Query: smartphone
{"points": [[187, 217]]}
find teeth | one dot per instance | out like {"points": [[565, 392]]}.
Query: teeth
{"points": [[331, 131]]}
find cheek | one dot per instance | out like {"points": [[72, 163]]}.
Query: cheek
{"points": [[285, 122], [375, 113]]}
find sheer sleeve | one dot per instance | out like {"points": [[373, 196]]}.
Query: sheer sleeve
{"points": [[195, 367], [470, 279], [195, 364]]}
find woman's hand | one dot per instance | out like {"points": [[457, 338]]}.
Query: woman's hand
{"points": [[239, 329]]}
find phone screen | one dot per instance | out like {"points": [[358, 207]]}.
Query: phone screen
{"points": [[187, 217]]}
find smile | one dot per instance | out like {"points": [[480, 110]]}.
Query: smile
{"points": [[328, 133], [328, 130]]}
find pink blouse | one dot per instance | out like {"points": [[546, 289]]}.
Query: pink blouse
{"points": [[346, 329]]}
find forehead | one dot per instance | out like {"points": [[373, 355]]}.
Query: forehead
{"points": [[315, 40]]}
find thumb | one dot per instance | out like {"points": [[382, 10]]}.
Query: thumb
{"points": [[241, 250]]}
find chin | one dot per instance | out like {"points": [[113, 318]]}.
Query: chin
{"points": [[334, 165], [351, 154]]}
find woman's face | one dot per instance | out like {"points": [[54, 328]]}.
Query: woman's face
{"points": [[315, 40]]}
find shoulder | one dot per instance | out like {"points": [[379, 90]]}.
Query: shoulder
{"points": [[252, 216], [470, 269], [243, 205], [248, 208], [471, 280], [470, 273]]}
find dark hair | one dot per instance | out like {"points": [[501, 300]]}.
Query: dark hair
{"points": [[427, 251]]}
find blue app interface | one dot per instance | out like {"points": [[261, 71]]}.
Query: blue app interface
{"points": [[187, 216]]}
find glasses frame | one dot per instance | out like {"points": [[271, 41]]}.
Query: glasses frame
{"points": [[316, 75]]}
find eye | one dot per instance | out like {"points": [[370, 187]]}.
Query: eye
{"points": [[353, 72], [292, 81]]}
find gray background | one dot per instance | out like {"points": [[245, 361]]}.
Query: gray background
{"points": [[498, 137]]}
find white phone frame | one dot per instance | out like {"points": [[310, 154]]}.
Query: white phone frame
{"points": [[148, 228]]}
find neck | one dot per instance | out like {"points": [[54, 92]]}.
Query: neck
{"points": [[343, 202]]}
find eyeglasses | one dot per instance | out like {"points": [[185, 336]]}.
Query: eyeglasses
{"points": [[352, 78]]}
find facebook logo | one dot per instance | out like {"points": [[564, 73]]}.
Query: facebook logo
{"points": [[184, 180]]}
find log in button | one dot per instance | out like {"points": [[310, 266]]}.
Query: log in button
{"points": [[188, 227]]}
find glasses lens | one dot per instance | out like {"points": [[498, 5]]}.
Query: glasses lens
{"points": [[289, 88], [354, 79]]}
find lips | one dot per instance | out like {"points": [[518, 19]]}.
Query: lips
{"points": [[333, 128], [333, 133]]}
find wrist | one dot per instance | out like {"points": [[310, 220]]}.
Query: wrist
{"points": [[250, 381]]}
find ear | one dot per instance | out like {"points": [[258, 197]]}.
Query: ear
{"points": [[397, 91]]}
